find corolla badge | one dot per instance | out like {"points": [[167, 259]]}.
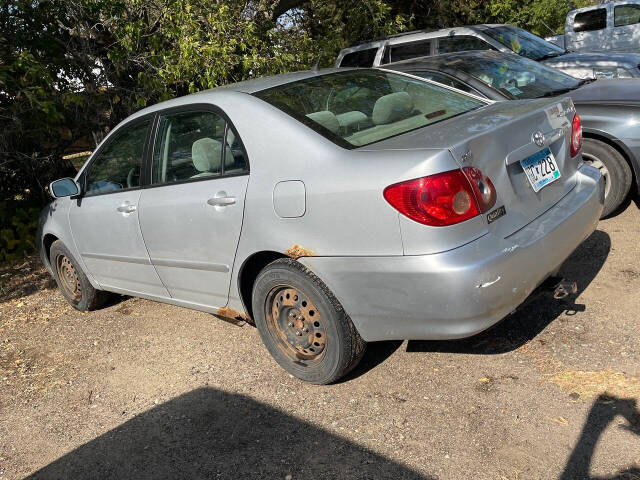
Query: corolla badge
{"points": [[538, 139]]}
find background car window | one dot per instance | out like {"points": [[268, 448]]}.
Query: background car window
{"points": [[459, 44], [445, 80], [590, 20], [118, 164], [406, 51], [361, 58], [188, 145], [523, 43], [626, 15]]}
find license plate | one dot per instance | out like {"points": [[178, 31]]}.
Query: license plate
{"points": [[541, 169]]}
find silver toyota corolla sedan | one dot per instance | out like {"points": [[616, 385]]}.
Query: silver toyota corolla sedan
{"points": [[329, 208]]}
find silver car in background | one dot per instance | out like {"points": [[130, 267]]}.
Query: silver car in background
{"points": [[329, 208], [503, 38]]}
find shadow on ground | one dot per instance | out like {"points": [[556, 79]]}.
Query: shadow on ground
{"points": [[603, 412], [211, 434], [538, 311]]}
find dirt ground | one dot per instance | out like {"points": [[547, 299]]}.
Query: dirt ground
{"points": [[143, 390]]}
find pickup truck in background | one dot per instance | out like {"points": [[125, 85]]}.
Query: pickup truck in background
{"points": [[611, 26]]}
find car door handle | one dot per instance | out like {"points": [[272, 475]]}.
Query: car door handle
{"points": [[221, 201], [126, 208]]}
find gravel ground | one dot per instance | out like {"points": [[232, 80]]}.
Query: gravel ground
{"points": [[143, 390]]}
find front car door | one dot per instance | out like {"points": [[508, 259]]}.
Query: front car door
{"points": [[191, 215], [626, 28], [589, 32], [104, 220]]}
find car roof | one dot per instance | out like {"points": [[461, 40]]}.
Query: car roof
{"points": [[446, 59]]}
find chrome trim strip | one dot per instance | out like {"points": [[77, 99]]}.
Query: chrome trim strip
{"points": [[117, 258], [212, 267]]}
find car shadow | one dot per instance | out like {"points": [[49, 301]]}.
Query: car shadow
{"points": [[211, 434], [537, 312], [604, 411]]}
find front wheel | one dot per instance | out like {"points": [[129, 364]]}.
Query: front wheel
{"points": [[303, 325], [615, 171], [72, 282]]}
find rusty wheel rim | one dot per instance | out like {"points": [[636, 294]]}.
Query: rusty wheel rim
{"points": [[296, 325], [69, 281]]}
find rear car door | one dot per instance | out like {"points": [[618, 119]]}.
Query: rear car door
{"points": [[104, 221], [589, 32], [626, 28], [191, 214]]}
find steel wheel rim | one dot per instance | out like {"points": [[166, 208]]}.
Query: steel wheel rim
{"points": [[296, 325], [604, 171], [69, 281]]}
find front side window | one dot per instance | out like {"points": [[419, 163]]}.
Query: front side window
{"points": [[361, 58], [627, 15], [524, 43], [405, 51], [461, 43], [118, 164], [356, 108], [590, 20], [514, 76], [444, 80], [193, 145]]}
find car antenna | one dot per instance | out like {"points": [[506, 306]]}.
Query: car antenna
{"points": [[548, 27], [316, 66]]}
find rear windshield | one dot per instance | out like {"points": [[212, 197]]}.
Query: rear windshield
{"points": [[360, 107]]}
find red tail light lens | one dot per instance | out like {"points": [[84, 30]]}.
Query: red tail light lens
{"points": [[443, 199], [576, 135]]}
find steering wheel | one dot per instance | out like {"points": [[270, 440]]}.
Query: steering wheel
{"points": [[133, 177]]}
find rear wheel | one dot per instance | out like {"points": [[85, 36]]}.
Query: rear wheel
{"points": [[72, 282], [303, 325], [614, 169]]}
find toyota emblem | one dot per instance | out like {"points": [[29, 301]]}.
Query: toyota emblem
{"points": [[538, 139]]}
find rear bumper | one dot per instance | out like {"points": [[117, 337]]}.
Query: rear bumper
{"points": [[463, 291]]}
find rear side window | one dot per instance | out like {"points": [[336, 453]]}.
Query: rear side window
{"points": [[590, 20], [361, 58], [459, 44], [406, 51], [627, 15], [118, 164], [195, 145]]}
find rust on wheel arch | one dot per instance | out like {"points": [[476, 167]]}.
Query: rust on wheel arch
{"points": [[298, 251], [233, 316]]}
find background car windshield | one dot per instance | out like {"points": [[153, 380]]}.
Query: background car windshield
{"points": [[516, 77], [524, 43], [360, 107]]}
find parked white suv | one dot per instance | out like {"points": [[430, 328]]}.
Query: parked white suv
{"points": [[504, 38]]}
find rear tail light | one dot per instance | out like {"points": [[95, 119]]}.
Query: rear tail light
{"points": [[576, 135], [445, 198]]}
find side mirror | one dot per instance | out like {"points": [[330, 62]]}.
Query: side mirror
{"points": [[65, 187]]}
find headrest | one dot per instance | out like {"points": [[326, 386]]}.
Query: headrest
{"points": [[327, 119], [206, 155], [392, 107]]}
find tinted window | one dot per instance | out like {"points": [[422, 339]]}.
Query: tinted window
{"points": [[189, 145], [523, 43], [627, 15], [445, 80], [357, 108], [590, 20], [515, 76], [118, 164], [361, 58], [406, 51], [458, 44]]}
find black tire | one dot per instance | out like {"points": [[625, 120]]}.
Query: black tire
{"points": [[72, 281], [313, 307], [615, 170]]}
